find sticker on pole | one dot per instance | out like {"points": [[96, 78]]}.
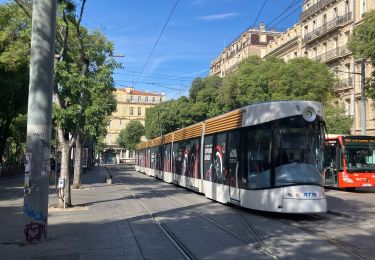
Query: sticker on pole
{"points": [[61, 183]]}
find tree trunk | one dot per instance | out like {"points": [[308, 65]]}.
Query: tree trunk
{"points": [[65, 196], [77, 164]]}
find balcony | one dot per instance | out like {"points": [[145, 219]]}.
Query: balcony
{"points": [[333, 54], [315, 8], [332, 24], [344, 84]]}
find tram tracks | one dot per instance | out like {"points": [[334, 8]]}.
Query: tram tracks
{"points": [[185, 252], [349, 249], [346, 248], [259, 245]]}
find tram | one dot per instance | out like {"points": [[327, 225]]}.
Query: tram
{"points": [[265, 156], [349, 161]]}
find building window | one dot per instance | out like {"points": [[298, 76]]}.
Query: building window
{"points": [[306, 30], [131, 98], [139, 99], [139, 111], [160, 99], [131, 111], [146, 99], [315, 52], [335, 12], [124, 111], [347, 8], [363, 7], [153, 99], [324, 19], [314, 25]]}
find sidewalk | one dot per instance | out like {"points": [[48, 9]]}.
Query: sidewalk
{"points": [[82, 232]]}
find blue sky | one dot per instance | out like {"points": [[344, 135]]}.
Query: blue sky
{"points": [[195, 35]]}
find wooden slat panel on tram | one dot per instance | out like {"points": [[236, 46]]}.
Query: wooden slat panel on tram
{"points": [[168, 138], [224, 122], [188, 132]]}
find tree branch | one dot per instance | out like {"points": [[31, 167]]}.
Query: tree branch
{"points": [[22, 4]]}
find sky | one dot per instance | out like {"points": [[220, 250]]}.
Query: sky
{"points": [[196, 34]]}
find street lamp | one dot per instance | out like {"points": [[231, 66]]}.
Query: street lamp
{"points": [[363, 96]]}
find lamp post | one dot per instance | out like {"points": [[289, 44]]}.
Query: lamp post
{"points": [[363, 94]]}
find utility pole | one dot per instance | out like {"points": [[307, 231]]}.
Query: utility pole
{"points": [[39, 121], [363, 97]]}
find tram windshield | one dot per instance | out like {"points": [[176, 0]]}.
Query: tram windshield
{"points": [[360, 155], [298, 152]]}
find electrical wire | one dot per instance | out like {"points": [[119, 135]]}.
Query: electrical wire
{"points": [[260, 11], [296, 9], [292, 4], [157, 41]]}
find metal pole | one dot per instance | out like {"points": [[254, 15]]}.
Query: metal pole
{"points": [[39, 121], [363, 97]]}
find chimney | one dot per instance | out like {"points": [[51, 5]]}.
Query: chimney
{"points": [[261, 26]]}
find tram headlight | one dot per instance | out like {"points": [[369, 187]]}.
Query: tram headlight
{"points": [[309, 114]]}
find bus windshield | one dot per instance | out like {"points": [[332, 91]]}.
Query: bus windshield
{"points": [[360, 158], [298, 152]]}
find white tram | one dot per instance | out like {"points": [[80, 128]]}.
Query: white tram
{"points": [[266, 156]]}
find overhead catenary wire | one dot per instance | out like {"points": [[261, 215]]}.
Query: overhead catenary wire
{"points": [[291, 5], [259, 13], [296, 9], [157, 41]]}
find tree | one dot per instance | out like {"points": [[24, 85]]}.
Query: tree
{"points": [[336, 120], [83, 71], [14, 68], [131, 135], [362, 41], [362, 44]]}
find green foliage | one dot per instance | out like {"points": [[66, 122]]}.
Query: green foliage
{"points": [[15, 35], [131, 135], [86, 90], [336, 120], [362, 42], [255, 80]]}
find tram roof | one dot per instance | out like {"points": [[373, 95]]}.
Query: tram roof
{"points": [[253, 114]]}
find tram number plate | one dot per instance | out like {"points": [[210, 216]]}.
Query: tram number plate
{"points": [[366, 185]]}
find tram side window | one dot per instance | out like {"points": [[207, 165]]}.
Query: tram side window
{"points": [[215, 169], [234, 153], [174, 157], [167, 158], [159, 165], [258, 155]]}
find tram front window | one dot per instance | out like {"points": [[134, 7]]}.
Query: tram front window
{"points": [[360, 158], [298, 152]]}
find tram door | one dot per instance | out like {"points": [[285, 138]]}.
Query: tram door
{"points": [[331, 162], [234, 153]]}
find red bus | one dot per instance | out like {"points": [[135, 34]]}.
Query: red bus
{"points": [[349, 161]]}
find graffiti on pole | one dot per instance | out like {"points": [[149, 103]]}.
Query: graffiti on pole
{"points": [[35, 231]]}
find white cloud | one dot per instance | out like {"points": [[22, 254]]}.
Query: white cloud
{"points": [[217, 16]]}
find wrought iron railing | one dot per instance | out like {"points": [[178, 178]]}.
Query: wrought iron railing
{"points": [[315, 8], [333, 54], [340, 20], [345, 83]]}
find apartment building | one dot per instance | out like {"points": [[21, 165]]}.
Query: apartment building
{"points": [[252, 41], [131, 105], [322, 34]]}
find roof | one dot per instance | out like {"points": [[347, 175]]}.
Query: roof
{"points": [[132, 91]]}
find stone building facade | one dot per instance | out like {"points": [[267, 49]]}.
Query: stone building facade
{"points": [[252, 41], [131, 105], [322, 34]]}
